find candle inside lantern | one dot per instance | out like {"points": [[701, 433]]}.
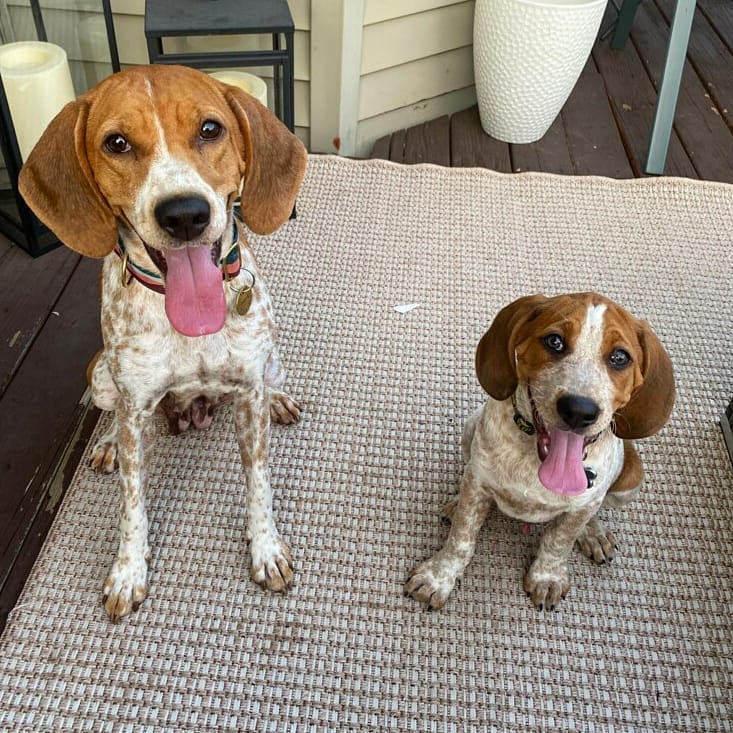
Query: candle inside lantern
{"points": [[249, 83], [37, 84]]}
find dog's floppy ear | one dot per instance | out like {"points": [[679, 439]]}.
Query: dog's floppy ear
{"points": [[274, 163], [495, 360], [651, 404], [58, 185]]}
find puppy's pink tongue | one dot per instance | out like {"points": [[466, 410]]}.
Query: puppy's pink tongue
{"points": [[562, 471], [194, 296]]}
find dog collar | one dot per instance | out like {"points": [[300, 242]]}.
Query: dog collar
{"points": [[230, 263], [526, 426]]}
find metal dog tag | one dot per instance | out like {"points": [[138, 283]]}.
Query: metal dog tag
{"points": [[244, 301]]}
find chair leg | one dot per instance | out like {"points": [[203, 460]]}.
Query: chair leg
{"points": [[623, 23], [669, 86]]}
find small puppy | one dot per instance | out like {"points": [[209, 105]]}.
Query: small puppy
{"points": [[571, 379], [144, 170]]}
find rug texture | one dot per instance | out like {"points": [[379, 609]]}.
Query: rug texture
{"points": [[643, 644]]}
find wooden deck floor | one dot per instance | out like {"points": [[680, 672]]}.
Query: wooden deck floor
{"points": [[48, 307], [604, 127]]}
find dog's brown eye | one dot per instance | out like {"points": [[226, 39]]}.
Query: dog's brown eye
{"points": [[210, 130], [117, 144], [554, 342], [619, 359]]}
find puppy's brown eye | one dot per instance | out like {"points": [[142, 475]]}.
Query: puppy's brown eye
{"points": [[619, 359], [554, 342], [210, 130], [117, 144]]}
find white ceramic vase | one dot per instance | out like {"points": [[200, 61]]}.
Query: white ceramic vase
{"points": [[528, 55]]}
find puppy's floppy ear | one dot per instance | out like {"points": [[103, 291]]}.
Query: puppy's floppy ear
{"points": [[495, 360], [274, 163], [58, 185], [651, 404]]}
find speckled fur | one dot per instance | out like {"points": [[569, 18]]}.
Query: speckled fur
{"points": [[502, 461], [146, 364]]}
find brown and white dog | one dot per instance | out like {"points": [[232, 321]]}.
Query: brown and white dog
{"points": [[571, 379], [144, 170]]}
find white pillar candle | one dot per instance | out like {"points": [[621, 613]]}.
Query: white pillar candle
{"points": [[37, 85], [249, 83]]}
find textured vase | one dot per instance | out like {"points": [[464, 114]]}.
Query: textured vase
{"points": [[527, 56]]}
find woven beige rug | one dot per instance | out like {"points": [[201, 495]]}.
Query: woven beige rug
{"points": [[645, 644]]}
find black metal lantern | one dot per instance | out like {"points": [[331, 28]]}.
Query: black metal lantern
{"points": [[17, 221]]}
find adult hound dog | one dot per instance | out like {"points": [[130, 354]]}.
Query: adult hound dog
{"points": [[571, 380], [144, 170]]}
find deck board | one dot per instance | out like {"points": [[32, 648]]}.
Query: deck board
{"points": [[594, 141], [39, 410], [471, 147], [30, 288]]}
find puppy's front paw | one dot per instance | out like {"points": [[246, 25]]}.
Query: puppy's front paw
{"points": [[546, 585], [125, 588], [596, 542], [431, 582], [283, 409], [272, 564]]}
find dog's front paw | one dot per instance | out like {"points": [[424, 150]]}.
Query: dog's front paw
{"points": [[546, 585], [283, 409], [596, 542], [125, 588], [431, 582], [272, 564]]}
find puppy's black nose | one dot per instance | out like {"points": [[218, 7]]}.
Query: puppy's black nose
{"points": [[577, 411], [184, 218]]}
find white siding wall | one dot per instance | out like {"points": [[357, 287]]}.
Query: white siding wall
{"points": [[363, 68]]}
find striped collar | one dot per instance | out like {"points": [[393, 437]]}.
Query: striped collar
{"points": [[230, 264]]}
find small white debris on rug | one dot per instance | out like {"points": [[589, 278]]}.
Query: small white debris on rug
{"points": [[406, 307]]}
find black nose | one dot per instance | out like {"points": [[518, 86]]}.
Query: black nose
{"points": [[577, 411], [183, 218]]}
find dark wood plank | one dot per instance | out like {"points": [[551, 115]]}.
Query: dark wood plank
{"points": [[381, 148], [429, 142], [710, 56], [397, 146], [25, 549], [550, 153], [29, 288], [472, 147], [701, 130], [633, 97], [41, 401], [719, 14], [593, 140]]}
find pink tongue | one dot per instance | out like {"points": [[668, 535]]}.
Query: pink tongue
{"points": [[562, 471], [194, 297]]}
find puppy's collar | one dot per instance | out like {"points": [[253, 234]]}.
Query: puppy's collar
{"points": [[526, 426], [230, 263]]}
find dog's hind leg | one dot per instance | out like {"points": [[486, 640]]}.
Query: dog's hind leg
{"points": [[283, 408]]}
